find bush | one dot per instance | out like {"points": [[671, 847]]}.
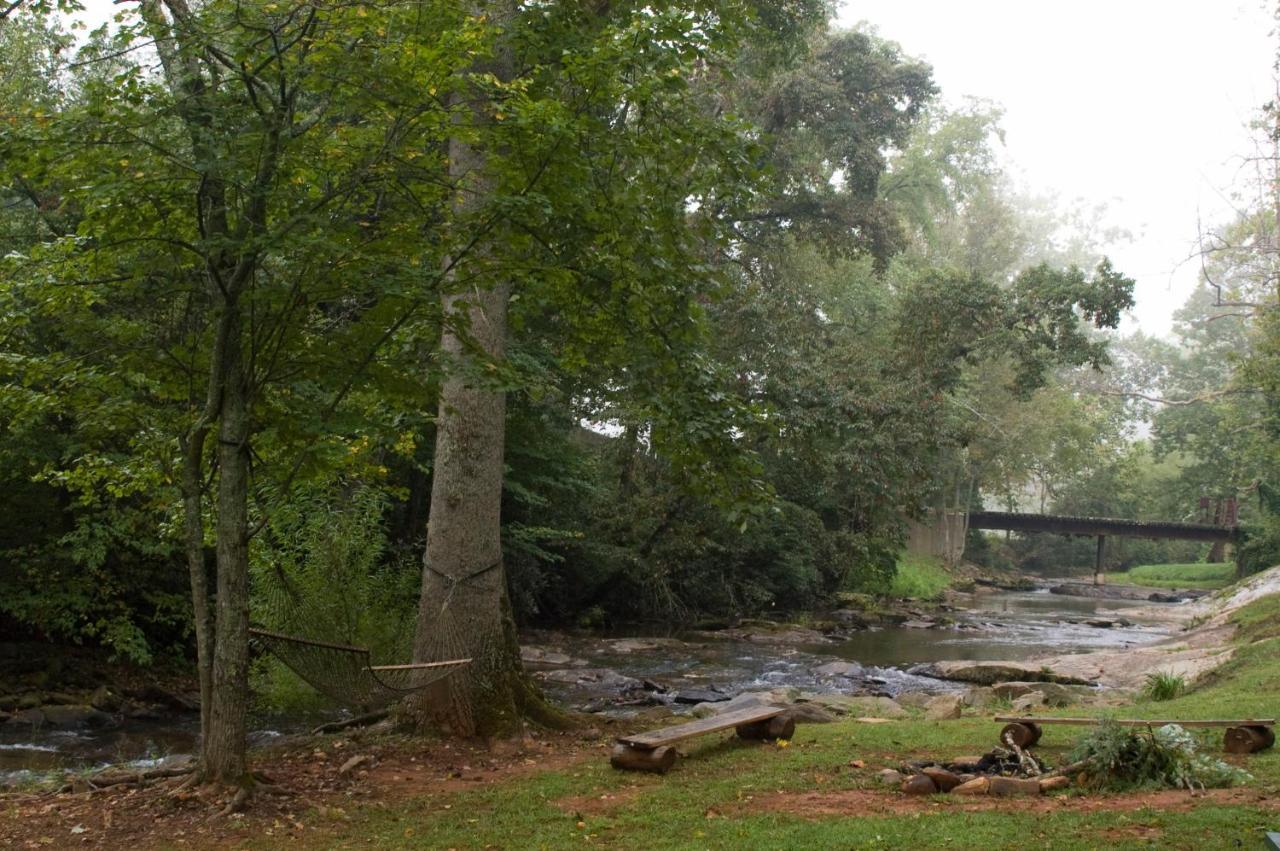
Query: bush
{"points": [[1261, 548], [326, 573], [1121, 758]]}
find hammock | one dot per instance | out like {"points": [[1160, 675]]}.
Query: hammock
{"points": [[345, 674]]}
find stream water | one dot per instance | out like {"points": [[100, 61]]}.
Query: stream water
{"points": [[995, 625]]}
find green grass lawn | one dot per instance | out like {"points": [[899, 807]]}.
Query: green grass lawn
{"points": [[920, 577], [730, 794], [1209, 576]]}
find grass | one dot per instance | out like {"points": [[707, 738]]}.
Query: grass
{"points": [[1163, 685], [713, 799], [920, 577], [1207, 576]]}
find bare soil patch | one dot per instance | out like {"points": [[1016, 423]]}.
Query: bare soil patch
{"points": [[308, 792]]}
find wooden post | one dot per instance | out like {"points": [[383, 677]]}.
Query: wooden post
{"points": [[1098, 577]]}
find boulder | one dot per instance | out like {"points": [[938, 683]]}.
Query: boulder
{"points": [[978, 696], [914, 699], [849, 618], [976, 786], [919, 784], [808, 713], [106, 700], [889, 777], [698, 695], [944, 707], [65, 718], [989, 673], [751, 699], [1054, 694], [1030, 700], [918, 624], [604, 678], [943, 779], [843, 704], [839, 669]]}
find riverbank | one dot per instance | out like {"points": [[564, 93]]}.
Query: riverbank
{"points": [[821, 789]]}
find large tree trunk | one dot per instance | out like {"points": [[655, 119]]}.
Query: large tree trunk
{"points": [[224, 743], [464, 609]]}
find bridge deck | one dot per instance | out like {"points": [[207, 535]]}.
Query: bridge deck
{"points": [[1094, 526]]}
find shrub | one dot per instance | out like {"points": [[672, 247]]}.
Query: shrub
{"points": [[326, 573], [1131, 757], [1163, 685]]}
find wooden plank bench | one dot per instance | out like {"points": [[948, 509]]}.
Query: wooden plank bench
{"points": [[653, 751], [1247, 735]]}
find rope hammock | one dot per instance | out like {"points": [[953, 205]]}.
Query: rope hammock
{"points": [[345, 673]]}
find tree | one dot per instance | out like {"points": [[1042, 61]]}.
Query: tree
{"points": [[579, 133]]}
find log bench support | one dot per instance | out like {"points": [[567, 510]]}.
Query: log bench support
{"points": [[657, 760], [1244, 740], [1241, 737], [769, 730]]}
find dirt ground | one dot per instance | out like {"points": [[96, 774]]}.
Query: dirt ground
{"points": [[307, 789]]}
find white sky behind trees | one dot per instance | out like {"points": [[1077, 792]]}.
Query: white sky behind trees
{"points": [[1141, 105]]}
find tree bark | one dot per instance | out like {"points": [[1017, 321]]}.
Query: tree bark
{"points": [[224, 744], [464, 606]]}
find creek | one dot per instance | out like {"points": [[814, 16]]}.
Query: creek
{"points": [[588, 671]]}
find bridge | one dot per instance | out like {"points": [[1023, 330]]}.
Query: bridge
{"points": [[1095, 526], [1102, 527]]}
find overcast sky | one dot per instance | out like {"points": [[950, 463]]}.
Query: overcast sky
{"points": [[1139, 104]]}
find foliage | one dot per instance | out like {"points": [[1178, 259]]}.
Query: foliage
{"points": [[1130, 757], [1163, 685], [919, 577], [1197, 575], [325, 572]]}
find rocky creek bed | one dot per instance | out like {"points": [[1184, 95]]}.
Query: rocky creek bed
{"points": [[850, 664]]}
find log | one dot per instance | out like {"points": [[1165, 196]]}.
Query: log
{"points": [[1007, 787], [1024, 735], [768, 730], [657, 760], [1243, 740], [1141, 722], [117, 777], [358, 721]]}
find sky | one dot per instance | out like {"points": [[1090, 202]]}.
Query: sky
{"points": [[1143, 105]]}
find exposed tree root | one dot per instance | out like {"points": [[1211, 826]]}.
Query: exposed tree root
{"points": [[238, 802], [116, 778]]}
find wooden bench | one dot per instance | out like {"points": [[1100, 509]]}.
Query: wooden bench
{"points": [[1248, 735], [653, 751]]}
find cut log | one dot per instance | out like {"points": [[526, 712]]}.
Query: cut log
{"points": [[657, 760], [1243, 740], [1006, 787], [771, 729], [1024, 735]]}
